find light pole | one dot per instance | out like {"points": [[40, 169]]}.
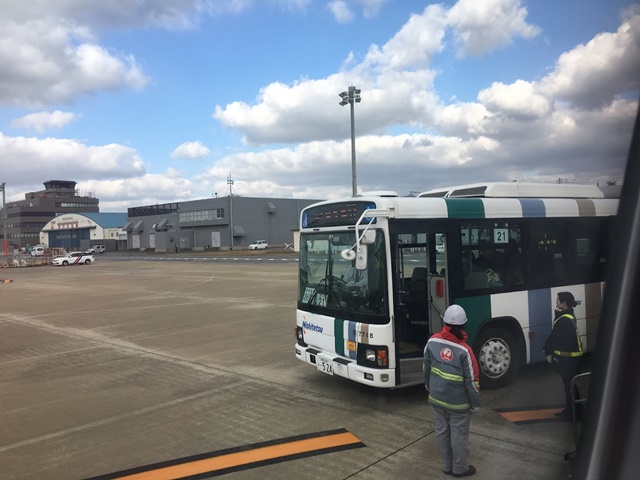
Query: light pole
{"points": [[4, 221], [352, 96], [230, 183]]}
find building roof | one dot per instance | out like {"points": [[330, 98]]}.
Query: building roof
{"points": [[107, 220]]}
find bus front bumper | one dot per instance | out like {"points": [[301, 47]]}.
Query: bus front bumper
{"points": [[332, 364]]}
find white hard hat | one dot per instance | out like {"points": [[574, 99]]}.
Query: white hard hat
{"points": [[455, 315]]}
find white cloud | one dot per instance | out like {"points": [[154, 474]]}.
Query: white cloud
{"points": [[483, 26], [340, 11], [191, 150], [461, 119], [46, 62], [371, 8], [520, 99], [42, 121], [591, 75], [147, 189], [115, 13], [562, 125], [343, 13], [290, 114], [395, 79], [511, 128], [55, 158], [236, 7], [326, 166], [414, 45]]}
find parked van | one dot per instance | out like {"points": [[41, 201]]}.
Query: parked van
{"points": [[37, 251], [97, 249]]}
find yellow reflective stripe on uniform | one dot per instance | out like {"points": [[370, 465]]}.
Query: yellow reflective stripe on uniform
{"points": [[462, 407], [569, 354], [447, 376]]}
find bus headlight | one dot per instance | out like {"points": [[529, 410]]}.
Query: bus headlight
{"points": [[300, 336], [376, 356]]}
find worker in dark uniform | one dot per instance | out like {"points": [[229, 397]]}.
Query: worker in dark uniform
{"points": [[564, 349]]}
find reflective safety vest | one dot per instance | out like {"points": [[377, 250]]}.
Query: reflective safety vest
{"points": [[570, 354]]}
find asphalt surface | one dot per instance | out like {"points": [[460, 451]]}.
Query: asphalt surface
{"points": [[188, 366]]}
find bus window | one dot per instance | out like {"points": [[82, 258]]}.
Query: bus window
{"points": [[494, 257], [589, 247], [329, 281], [547, 255]]}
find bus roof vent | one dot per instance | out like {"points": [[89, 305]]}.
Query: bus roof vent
{"points": [[517, 190], [434, 194], [469, 192], [378, 193]]}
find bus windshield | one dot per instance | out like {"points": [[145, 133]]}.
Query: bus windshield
{"points": [[332, 285]]}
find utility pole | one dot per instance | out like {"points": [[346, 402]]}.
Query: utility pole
{"points": [[230, 183], [4, 222]]}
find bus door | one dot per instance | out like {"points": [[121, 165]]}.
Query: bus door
{"points": [[437, 278], [420, 298]]}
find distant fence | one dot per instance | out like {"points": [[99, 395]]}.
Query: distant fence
{"points": [[18, 260]]}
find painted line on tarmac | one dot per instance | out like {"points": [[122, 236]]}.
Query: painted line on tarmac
{"points": [[236, 459], [201, 259], [531, 414]]}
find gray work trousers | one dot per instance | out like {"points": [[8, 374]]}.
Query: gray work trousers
{"points": [[452, 439]]}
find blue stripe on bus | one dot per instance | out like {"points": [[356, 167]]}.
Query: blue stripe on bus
{"points": [[352, 337], [540, 322], [532, 207]]}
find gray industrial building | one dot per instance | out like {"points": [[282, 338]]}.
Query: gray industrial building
{"points": [[223, 223]]}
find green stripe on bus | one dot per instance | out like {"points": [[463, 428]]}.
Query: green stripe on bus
{"points": [[338, 333], [478, 309], [465, 207]]}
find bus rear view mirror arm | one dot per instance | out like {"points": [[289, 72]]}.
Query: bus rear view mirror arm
{"points": [[366, 238]]}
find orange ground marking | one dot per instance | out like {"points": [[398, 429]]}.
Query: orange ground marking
{"points": [[244, 458], [525, 415]]}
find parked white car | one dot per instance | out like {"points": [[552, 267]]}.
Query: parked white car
{"points": [[74, 258], [259, 245]]}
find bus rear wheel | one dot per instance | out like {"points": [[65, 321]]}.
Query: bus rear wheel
{"points": [[498, 358]]}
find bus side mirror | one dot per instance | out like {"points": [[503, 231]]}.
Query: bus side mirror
{"points": [[368, 238], [348, 254], [361, 258]]}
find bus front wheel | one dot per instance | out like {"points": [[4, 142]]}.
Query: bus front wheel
{"points": [[498, 358]]}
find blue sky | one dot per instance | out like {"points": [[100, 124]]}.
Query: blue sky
{"points": [[157, 101]]}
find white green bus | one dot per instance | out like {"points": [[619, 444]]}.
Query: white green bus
{"points": [[377, 271]]}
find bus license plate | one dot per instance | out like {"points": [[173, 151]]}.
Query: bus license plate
{"points": [[324, 364]]}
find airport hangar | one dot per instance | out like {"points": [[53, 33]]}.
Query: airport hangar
{"points": [[220, 223]]}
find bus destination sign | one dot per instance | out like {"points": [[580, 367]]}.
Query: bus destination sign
{"points": [[335, 214]]}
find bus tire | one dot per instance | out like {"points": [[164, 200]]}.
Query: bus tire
{"points": [[498, 357]]}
